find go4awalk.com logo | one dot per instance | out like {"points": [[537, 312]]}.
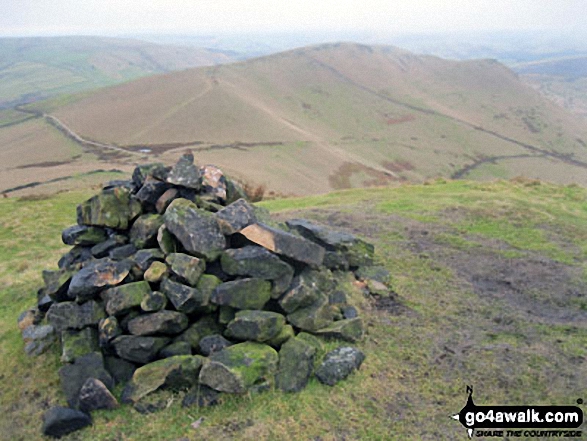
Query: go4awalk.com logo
{"points": [[520, 421]]}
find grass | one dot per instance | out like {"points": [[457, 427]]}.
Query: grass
{"points": [[418, 362]]}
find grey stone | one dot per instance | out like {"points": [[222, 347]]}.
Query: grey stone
{"points": [[349, 330], [60, 421], [95, 276], [236, 216], [184, 298], [143, 233], [162, 322], [38, 338], [188, 268], [70, 315], [73, 376], [197, 230], [83, 235], [201, 396], [339, 364], [242, 294], [138, 349], [121, 299], [185, 173], [255, 325], [76, 344], [296, 364], [94, 395], [213, 343]]}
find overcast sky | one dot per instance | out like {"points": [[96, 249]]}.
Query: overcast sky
{"points": [[61, 17]]}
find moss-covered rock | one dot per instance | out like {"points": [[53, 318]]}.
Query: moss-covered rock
{"points": [[162, 322], [143, 233], [83, 235], [243, 294], [284, 335], [156, 272], [138, 348], [349, 330], [176, 372], [296, 363], [110, 208], [154, 301], [200, 329], [188, 268], [121, 299], [75, 344], [311, 318], [184, 298], [239, 367], [96, 276], [255, 325], [197, 230], [236, 216]]}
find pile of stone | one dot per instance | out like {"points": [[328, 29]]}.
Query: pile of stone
{"points": [[176, 282]]}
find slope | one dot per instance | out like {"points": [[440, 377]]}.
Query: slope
{"points": [[36, 68], [339, 116], [491, 284]]}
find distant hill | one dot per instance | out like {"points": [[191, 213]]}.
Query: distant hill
{"points": [[36, 68], [330, 117], [562, 80]]}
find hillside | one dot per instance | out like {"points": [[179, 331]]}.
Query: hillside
{"points": [[331, 117], [562, 80], [491, 291], [37, 68]]}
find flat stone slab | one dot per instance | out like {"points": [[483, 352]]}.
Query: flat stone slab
{"points": [[284, 243], [356, 251]]}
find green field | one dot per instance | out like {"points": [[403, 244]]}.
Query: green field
{"points": [[492, 282]]}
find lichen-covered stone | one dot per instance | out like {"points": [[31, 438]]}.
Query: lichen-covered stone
{"points": [[141, 172], [75, 258], [234, 191], [296, 363], [70, 315], [156, 272], [284, 243], [162, 322], [121, 299], [339, 364], [184, 298], [176, 372], [188, 268], [143, 233], [60, 421], [284, 335], [76, 344], [243, 294], [255, 325], [311, 318], [197, 230], [150, 192], [96, 276], [213, 183], [226, 314], [312, 340], [349, 330], [110, 208], [356, 251], [73, 376], [166, 241], [236, 216], [176, 348], [374, 272], [83, 235], [154, 301], [138, 348], [94, 395], [143, 259], [200, 329], [239, 367], [108, 330], [185, 173], [258, 262]]}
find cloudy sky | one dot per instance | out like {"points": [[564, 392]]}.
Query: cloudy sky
{"points": [[59, 17]]}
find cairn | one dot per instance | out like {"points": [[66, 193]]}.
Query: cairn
{"points": [[175, 281]]}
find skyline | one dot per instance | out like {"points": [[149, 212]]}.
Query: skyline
{"points": [[110, 17]]}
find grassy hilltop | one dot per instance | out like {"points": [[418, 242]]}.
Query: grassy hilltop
{"points": [[491, 280]]}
